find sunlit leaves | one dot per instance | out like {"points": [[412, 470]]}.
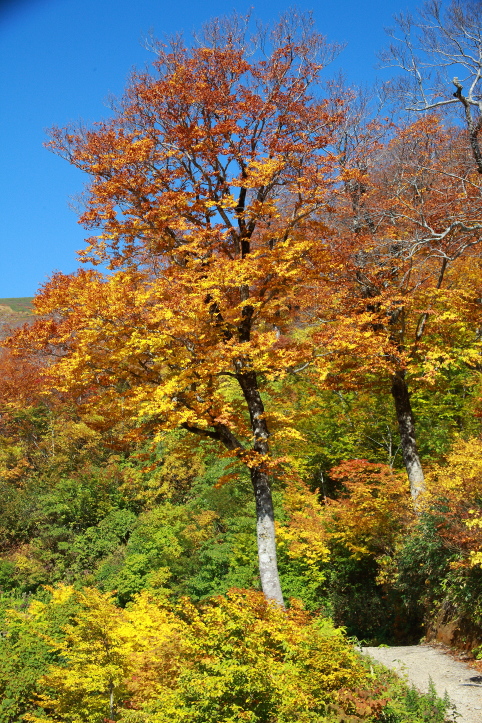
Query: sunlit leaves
{"points": [[233, 659]]}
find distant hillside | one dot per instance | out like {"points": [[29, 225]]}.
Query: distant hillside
{"points": [[14, 312], [22, 304]]}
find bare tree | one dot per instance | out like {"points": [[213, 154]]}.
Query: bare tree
{"points": [[439, 52]]}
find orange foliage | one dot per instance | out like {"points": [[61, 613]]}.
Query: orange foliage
{"points": [[208, 188], [372, 513], [410, 227], [21, 379]]}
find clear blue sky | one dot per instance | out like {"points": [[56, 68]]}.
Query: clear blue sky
{"points": [[60, 60]]}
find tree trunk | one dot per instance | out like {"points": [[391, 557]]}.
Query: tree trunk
{"points": [[265, 530], [406, 426], [265, 535]]}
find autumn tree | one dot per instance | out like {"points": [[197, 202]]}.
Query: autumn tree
{"points": [[431, 216], [411, 210], [208, 193], [412, 207]]}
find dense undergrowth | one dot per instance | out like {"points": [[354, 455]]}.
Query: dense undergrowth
{"points": [[129, 575]]}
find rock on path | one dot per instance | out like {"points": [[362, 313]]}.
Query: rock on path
{"points": [[420, 663]]}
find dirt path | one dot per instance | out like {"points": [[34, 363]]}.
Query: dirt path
{"points": [[420, 663]]}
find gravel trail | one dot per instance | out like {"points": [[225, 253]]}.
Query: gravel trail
{"points": [[420, 663]]}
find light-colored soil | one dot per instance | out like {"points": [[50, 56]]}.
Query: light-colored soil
{"points": [[421, 663]]}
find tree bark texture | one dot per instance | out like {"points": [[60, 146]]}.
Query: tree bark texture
{"points": [[265, 529], [266, 538], [406, 426]]}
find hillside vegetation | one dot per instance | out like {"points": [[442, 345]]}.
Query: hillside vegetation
{"points": [[14, 313], [22, 304]]}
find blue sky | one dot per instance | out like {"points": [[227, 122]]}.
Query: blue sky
{"points": [[61, 59]]}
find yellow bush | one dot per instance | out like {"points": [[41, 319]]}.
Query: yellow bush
{"points": [[455, 488], [234, 659]]}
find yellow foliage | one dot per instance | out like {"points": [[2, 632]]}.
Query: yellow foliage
{"points": [[233, 659], [461, 473], [109, 655], [305, 532], [456, 488]]}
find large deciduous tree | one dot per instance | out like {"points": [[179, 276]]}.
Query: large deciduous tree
{"points": [[414, 203], [208, 192], [409, 305]]}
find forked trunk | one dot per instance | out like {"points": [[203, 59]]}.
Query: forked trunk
{"points": [[406, 426]]}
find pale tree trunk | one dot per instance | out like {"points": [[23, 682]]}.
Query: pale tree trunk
{"points": [[406, 426], [265, 529], [266, 539], [247, 380]]}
